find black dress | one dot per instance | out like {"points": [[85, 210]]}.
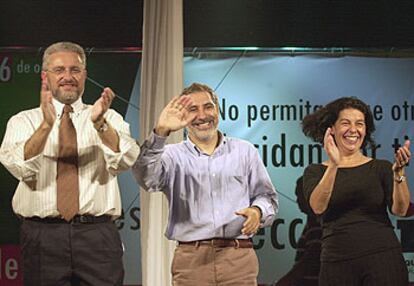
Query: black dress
{"points": [[356, 222], [305, 271]]}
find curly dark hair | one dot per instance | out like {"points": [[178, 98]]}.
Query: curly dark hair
{"points": [[314, 125]]}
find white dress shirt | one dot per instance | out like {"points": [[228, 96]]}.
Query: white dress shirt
{"points": [[98, 165]]}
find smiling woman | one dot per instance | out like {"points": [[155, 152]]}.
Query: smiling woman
{"points": [[351, 192], [315, 124], [349, 130]]}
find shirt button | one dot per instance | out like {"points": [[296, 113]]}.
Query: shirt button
{"points": [[214, 175]]}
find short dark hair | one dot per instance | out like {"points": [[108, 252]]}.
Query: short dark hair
{"points": [[199, 87], [315, 124]]}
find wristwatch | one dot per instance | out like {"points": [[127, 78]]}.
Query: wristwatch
{"points": [[399, 179], [102, 127]]}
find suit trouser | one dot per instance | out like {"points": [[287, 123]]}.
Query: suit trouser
{"points": [[64, 254], [208, 265]]}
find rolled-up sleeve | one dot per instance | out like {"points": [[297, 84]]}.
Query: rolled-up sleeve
{"points": [[128, 148], [19, 130]]}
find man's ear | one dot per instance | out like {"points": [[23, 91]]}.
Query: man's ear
{"points": [[43, 75]]}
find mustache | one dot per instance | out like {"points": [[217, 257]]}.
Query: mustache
{"points": [[73, 82], [205, 120]]}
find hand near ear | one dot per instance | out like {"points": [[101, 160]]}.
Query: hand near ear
{"points": [[330, 147]]}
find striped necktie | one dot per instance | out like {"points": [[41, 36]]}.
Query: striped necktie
{"points": [[67, 168]]}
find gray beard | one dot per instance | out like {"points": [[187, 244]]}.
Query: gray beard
{"points": [[203, 136], [67, 97]]}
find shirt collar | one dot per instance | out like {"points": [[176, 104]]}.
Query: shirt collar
{"points": [[77, 107], [193, 147]]}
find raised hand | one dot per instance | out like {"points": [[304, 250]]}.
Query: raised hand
{"points": [[36, 143], [46, 105], [252, 223], [175, 115], [402, 157], [330, 147], [101, 106]]}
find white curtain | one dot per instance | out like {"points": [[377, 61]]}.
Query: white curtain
{"points": [[161, 79]]}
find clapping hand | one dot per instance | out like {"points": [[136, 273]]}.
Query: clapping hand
{"points": [[46, 104], [330, 147], [102, 105], [402, 157]]}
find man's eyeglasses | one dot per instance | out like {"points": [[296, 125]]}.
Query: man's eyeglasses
{"points": [[74, 71]]}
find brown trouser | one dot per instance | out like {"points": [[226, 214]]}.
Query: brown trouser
{"points": [[204, 265]]}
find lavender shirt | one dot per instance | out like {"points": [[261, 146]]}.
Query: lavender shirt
{"points": [[204, 191]]}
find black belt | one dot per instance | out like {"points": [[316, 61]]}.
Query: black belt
{"points": [[76, 219], [220, 242]]}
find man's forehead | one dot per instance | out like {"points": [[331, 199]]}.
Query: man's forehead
{"points": [[62, 58]]}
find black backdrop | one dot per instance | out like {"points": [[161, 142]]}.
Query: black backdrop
{"points": [[213, 23]]}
